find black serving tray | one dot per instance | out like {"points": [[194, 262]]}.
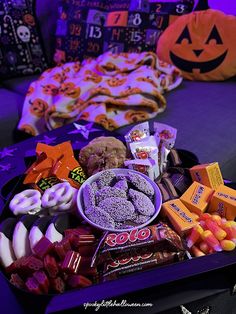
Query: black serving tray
{"points": [[11, 182]]}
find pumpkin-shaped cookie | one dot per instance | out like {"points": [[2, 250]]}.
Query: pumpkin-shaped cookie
{"points": [[202, 45]]}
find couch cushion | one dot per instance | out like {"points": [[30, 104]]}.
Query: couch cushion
{"points": [[11, 104], [20, 85], [204, 114]]}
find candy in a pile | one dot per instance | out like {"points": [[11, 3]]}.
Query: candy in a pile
{"points": [[55, 267], [117, 201], [136, 250], [211, 212], [153, 148], [212, 234], [54, 164]]}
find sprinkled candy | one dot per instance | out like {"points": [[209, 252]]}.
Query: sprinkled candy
{"points": [[88, 196], [119, 208], [141, 219], [108, 192], [141, 184], [142, 203], [122, 184], [105, 179], [100, 217]]}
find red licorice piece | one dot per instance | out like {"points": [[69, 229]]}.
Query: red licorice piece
{"points": [[17, 281], [16, 265], [57, 285], [78, 281], [71, 262], [42, 280], [50, 266], [87, 239], [29, 265], [33, 286], [61, 248], [85, 264], [74, 240], [87, 250], [81, 240], [43, 247], [79, 230], [90, 271]]}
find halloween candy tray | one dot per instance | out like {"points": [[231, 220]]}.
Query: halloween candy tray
{"points": [[11, 184]]}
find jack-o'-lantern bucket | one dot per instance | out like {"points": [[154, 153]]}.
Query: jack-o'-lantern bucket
{"points": [[202, 45]]}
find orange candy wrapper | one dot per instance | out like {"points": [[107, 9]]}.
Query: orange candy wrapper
{"points": [[54, 164]]}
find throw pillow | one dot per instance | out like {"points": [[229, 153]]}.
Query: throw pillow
{"points": [[21, 52], [89, 28], [201, 44]]}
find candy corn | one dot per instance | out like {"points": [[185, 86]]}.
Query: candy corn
{"points": [[205, 216], [217, 219], [227, 245], [204, 247], [218, 232], [194, 235], [211, 240], [197, 252], [230, 230]]}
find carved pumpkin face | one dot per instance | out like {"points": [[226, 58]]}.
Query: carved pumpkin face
{"points": [[115, 81], [69, 89], [107, 123], [38, 107], [50, 89], [136, 115], [201, 45]]}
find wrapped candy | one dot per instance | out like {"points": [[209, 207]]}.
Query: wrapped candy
{"points": [[54, 164], [167, 136], [137, 133]]}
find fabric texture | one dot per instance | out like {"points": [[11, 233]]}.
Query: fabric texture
{"points": [[202, 45], [21, 52], [112, 90], [89, 28]]}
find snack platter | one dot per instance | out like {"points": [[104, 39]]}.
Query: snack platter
{"points": [[182, 265]]}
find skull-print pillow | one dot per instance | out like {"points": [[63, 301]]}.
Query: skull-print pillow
{"points": [[21, 51]]}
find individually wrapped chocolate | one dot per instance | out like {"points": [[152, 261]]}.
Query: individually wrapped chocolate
{"points": [[145, 166], [153, 238], [167, 137], [116, 268], [147, 149], [166, 133], [54, 164], [137, 133]]}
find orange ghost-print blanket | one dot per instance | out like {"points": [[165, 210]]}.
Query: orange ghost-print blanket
{"points": [[112, 90]]}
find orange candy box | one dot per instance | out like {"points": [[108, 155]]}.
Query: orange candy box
{"points": [[197, 197], [179, 215]]}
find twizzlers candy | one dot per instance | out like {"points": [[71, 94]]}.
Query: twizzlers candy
{"points": [[155, 237]]}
